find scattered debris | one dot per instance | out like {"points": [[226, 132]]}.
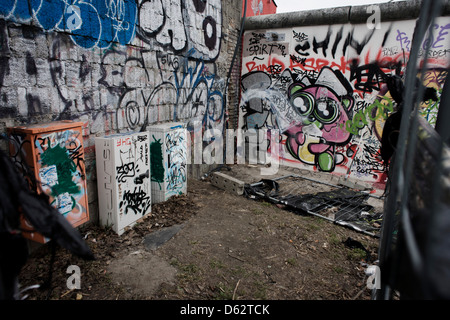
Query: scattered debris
{"points": [[346, 182], [157, 238], [227, 182], [192, 265], [343, 206]]}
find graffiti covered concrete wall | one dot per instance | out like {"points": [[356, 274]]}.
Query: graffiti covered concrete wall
{"points": [[325, 88], [116, 65]]}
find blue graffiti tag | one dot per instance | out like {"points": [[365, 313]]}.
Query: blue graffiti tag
{"points": [[94, 23], [191, 78]]}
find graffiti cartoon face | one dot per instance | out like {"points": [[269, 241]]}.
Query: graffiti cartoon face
{"points": [[323, 107]]}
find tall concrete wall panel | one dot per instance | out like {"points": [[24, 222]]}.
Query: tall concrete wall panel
{"points": [[320, 78]]}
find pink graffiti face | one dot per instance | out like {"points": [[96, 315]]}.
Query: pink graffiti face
{"points": [[323, 113]]}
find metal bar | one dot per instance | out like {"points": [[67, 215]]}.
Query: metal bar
{"points": [[411, 243], [336, 186], [287, 204], [317, 181], [401, 179], [346, 224], [344, 207]]}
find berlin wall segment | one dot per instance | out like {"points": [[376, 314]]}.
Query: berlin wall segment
{"points": [[325, 87]]}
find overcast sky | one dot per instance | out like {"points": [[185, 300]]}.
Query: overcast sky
{"points": [[299, 5]]}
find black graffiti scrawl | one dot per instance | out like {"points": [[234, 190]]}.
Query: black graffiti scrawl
{"points": [[326, 89], [99, 61], [123, 179]]}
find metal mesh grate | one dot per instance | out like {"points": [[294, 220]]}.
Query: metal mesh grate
{"points": [[339, 205]]}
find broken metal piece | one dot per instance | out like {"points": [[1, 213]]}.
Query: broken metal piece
{"points": [[342, 206]]}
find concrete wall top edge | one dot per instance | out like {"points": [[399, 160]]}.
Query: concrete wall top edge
{"points": [[394, 11], [401, 10], [299, 18]]}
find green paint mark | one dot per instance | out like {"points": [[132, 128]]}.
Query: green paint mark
{"points": [[326, 162], [377, 110], [65, 167], [156, 161]]}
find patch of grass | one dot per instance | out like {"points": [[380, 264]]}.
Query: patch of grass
{"points": [[260, 290], [338, 269], [313, 226], [188, 271], [356, 254], [291, 261], [216, 264], [334, 239], [239, 272], [257, 211], [174, 262], [224, 292], [190, 268]]}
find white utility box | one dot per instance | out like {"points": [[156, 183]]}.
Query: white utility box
{"points": [[123, 179], [168, 152]]}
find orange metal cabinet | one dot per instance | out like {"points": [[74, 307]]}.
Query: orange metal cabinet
{"points": [[54, 153]]}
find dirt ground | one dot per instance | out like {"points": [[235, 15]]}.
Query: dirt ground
{"points": [[226, 247]]}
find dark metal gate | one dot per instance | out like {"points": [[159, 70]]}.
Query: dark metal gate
{"points": [[414, 254]]}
